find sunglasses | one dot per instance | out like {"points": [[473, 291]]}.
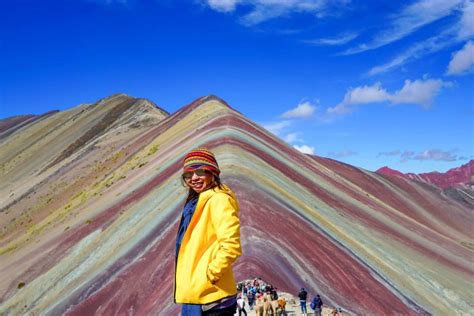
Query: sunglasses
{"points": [[199, 172]]}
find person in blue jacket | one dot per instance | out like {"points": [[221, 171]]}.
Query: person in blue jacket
{"points": [[316, 305]]}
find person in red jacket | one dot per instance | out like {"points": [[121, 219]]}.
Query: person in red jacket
{"points": [[208, 240]]}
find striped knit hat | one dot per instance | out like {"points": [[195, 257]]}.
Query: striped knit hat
{"points": [[201, 158]]}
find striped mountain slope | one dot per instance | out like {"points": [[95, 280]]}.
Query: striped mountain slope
{"points": [[91, 197]]}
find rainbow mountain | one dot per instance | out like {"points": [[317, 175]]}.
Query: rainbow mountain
{"points": [[91, 197]]}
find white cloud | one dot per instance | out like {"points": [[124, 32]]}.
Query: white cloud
{"points": [[338, 110], [342, 153], [407, 155], [359, 95], [268, 9], [396, 62], [431, 154], [418, 50], [462, 29], [223, 5], [261, 14], [292, 137], [263, 10], [436, 154], [366, 94], [420, 92], [344, 39], [466, 28], [390, 153], [276, 127], [462, 61], [302, 110], [305, 149], [410, 19]]}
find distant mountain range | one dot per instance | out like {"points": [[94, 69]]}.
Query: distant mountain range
{"points": [[462, 176], [90, 200]]}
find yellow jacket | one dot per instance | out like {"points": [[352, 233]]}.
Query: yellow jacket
{"points": [[209, 246]]}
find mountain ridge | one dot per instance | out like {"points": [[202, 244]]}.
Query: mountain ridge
{"points": [[455, 177], [100, 225]]}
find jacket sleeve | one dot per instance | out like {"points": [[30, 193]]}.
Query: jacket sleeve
{"points": [[225, 220]]}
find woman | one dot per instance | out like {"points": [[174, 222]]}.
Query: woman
{"points": [[208, 240]]}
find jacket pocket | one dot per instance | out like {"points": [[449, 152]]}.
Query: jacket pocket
{"points": [[199, 280]]}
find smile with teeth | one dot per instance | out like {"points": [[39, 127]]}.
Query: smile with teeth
{"points": [[197, 185], [200, 183]]}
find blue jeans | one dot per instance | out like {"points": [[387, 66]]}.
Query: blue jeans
{"points": [[191, 310], [303, 307], [196, 310]]}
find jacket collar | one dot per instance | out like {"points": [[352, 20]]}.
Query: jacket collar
{"points": [[203, 198]]}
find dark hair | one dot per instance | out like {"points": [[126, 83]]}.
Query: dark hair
{"points": [[193, 194]]}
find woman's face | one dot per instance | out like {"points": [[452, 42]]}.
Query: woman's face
{"points": [[200, 183]]}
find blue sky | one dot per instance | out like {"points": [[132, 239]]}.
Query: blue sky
{"points": [[370, 83]]}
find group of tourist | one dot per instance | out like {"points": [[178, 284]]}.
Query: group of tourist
{"points": [[265, 299], [255, 289], [261, 296]]}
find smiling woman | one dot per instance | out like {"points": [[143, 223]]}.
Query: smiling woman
{"points": [[208, 240], [199, 180]]}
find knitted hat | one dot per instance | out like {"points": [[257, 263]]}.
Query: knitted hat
{"points": [[201, 158]]}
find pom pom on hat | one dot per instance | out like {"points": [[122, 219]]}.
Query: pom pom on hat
{"points": [[201, 158]]}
